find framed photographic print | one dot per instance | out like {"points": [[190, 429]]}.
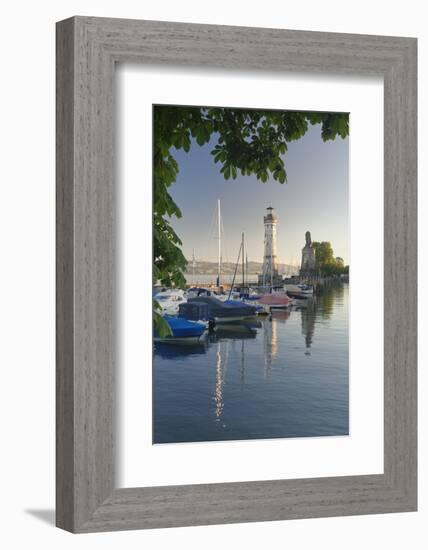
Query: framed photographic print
{"points": [[236, 274], [227, 360]]}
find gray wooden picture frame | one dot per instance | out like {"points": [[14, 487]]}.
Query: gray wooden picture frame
{"points": [[87, 50]]}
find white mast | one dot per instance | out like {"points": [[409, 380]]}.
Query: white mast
{"points": [[219, 241], [193, 268], [243, 261]]}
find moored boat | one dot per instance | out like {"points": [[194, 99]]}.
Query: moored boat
{"points": [[209, 308], [295, 291], [306, 289], [276, 300], [183, 331], [169, 300], [195, 292]]}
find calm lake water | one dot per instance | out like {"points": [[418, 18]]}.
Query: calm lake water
{"points": [[281, 377]]}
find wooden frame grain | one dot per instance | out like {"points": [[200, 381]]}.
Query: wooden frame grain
{"points": [[87, 50]]}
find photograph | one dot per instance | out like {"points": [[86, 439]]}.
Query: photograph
{"points": [[250, 274]]}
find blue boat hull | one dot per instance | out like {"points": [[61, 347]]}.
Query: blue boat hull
{"points": [[183, 331]]}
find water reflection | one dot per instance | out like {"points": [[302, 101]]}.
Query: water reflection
{"points": [[220, 376], [235, 332], [328, 300], [176, 353], [308, 316], [281, 315], [319, 307], [242, 371], [270, 344], [235, 385]]}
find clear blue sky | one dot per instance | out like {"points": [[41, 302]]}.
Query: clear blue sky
{"points": [[315, 198]]}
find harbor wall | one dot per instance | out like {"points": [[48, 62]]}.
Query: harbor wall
{"points": [[318, 282]]}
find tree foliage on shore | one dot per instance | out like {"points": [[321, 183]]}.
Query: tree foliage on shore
{"points": [[325, 262], [245, 142]]}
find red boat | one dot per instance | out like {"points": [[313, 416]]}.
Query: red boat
{"points": [[274, 301]]}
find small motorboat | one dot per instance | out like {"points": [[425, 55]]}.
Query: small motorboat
{"points": [[295, 291], [246, 294], [208, 308], [195, 291], [183, 331], [229, 296], [306, 289], [169, 300], [276, 300]]}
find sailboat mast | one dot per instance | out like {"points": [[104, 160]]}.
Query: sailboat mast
{"points": [[219, 241], [193, 267], [243, 262]]}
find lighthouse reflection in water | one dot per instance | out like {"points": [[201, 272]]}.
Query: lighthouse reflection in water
{"points": [[278, 377]]}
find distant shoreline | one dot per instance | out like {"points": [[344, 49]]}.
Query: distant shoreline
{"points": [[253, 269]]}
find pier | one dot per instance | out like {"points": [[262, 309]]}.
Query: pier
{"points": [[318, 282]]}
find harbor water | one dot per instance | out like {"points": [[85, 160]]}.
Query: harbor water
{"points": [[281, 376]]}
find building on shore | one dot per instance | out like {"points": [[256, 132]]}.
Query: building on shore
{"points": [[270, 275], [308, 265]]}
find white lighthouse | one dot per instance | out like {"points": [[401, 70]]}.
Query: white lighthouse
{"points": [[270, 275]]}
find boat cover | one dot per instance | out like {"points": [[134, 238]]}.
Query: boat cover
{"points": [[208, 308], [194, 311], [182, 328], [274, 299]]}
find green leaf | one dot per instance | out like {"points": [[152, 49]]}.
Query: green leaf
{"points": [[161, 326], [282, 176]]}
